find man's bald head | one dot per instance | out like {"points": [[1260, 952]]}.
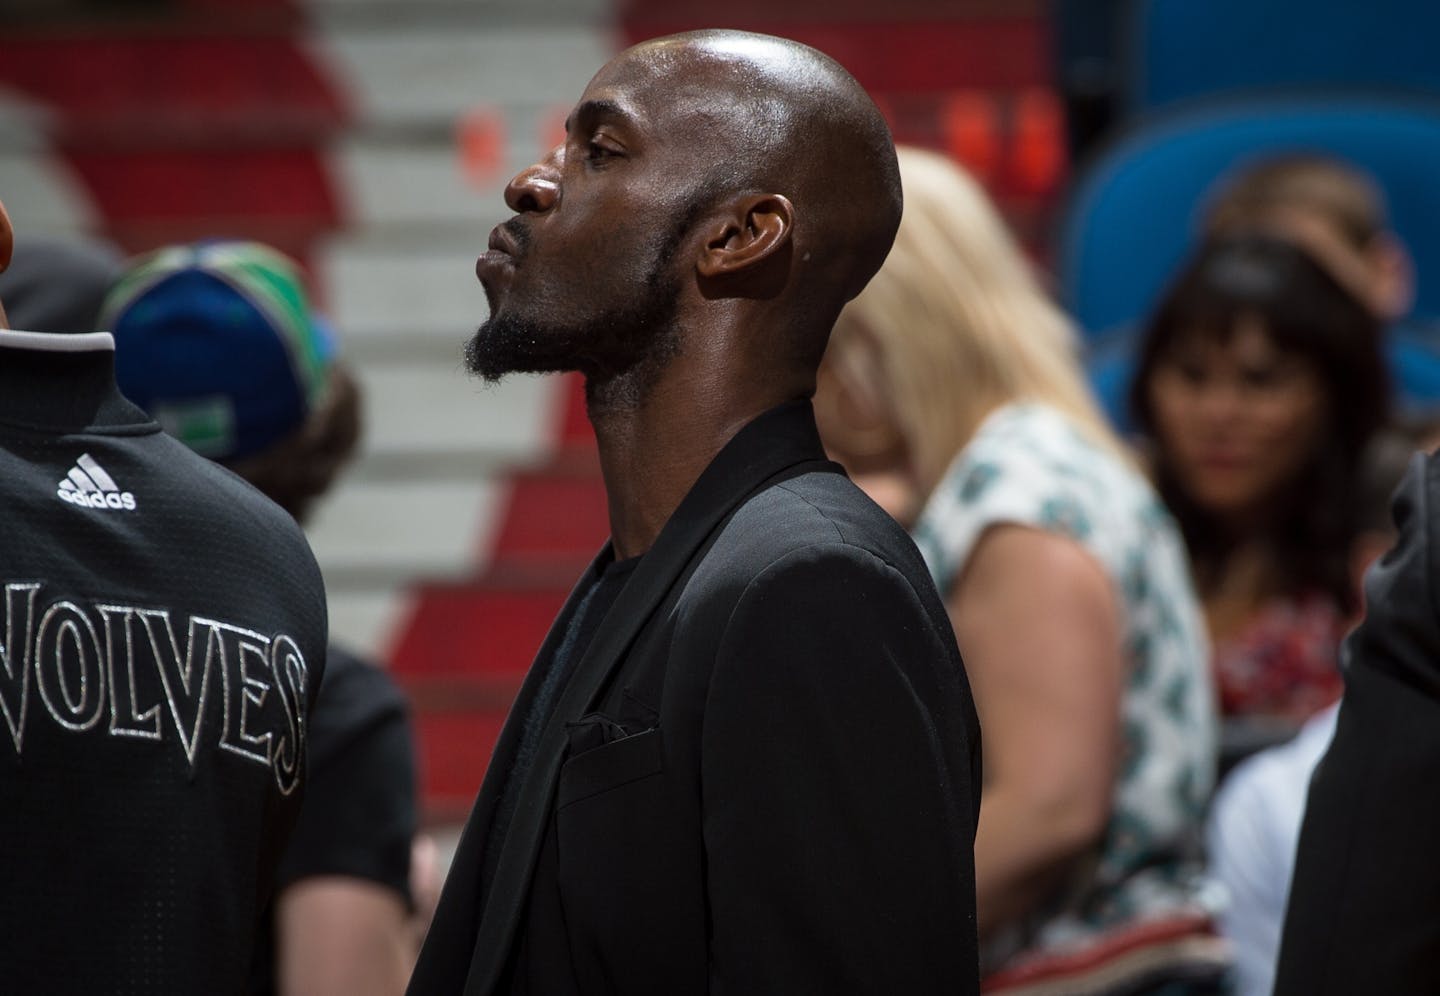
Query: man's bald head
{"points": [[774, 115], [727, 189]]}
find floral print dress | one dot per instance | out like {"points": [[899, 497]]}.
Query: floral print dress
{"points": [[1028, 464]]}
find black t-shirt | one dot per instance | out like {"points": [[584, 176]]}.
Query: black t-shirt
{"points": [[587, 618], [163, 637], [553, 976], [359, 815]]}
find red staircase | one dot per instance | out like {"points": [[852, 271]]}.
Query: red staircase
{"points": [[188, 120]]}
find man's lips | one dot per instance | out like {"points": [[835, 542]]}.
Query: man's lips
{"points": [[499, 256], [502, 241]]}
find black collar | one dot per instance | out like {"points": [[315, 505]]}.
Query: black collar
{"points": [[64, 383]]}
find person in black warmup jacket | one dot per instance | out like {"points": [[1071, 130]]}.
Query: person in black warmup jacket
{"points": [[163, 638]]}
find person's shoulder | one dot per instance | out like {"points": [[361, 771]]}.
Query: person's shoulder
{"points": [[358, 688], [241, 547], [835, 593], [1027, 464], [231, 492], [812, 511], [357, 700], [1401, 628], [1052, 444], [1022, 453], [219, 495], [1414, 558], [816, 531]]}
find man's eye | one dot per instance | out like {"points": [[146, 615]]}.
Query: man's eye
{"points": [[595, 151]]}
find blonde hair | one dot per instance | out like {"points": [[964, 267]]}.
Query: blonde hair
{"points": [[955, 325]]}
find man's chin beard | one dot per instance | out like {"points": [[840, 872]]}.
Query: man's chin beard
{"points": [[506, 345], [620, 354]]}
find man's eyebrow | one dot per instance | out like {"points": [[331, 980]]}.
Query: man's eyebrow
{"points": [[598, 107]]}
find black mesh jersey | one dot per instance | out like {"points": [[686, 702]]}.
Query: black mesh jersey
{"points": [[162, 633]]}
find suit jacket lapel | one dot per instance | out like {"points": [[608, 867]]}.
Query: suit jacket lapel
{"points": [[776, 442], [448, 949]]}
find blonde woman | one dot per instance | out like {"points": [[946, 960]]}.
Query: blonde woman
{"points": [[951, 392]]}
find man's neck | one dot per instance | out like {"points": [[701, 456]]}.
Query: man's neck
{"points": [[652, 453]]}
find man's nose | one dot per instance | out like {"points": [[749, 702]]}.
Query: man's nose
{"points": [[536, 188]]}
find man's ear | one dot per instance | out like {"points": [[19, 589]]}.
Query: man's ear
{"points": [[7, 238], [752, 231]]}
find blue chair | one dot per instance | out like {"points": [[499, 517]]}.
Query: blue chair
{"points": [[1133, 217], [1175, 50]]}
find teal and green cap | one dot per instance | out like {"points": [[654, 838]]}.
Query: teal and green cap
{"points": [[217, 341]]}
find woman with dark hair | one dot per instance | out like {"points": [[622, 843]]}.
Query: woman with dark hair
{"points": [[1261, 381]]}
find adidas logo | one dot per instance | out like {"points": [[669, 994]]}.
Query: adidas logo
{"points": [[89, 486]]}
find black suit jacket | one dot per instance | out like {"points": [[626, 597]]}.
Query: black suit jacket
{"points": [[1364, 908], [782, 797]]}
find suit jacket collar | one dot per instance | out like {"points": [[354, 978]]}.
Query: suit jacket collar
{"points": [[780, 442]]}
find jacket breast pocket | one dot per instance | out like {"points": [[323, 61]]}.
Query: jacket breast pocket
{"points": [[630, 871], [610, 766]]}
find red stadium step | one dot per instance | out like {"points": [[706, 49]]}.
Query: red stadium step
{"points": [[475, 628], [555, 517], [150, 83], [181, 132], [235, 192], [234, 8], [457, 721], [972, 78], [461, 660], [737, 12], [575, 429], [931, 55]]}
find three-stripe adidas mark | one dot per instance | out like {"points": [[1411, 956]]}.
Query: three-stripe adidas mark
{"points": [[88, 485]]}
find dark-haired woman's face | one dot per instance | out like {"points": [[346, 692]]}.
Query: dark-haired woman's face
{"points": [[1236, 418]]}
